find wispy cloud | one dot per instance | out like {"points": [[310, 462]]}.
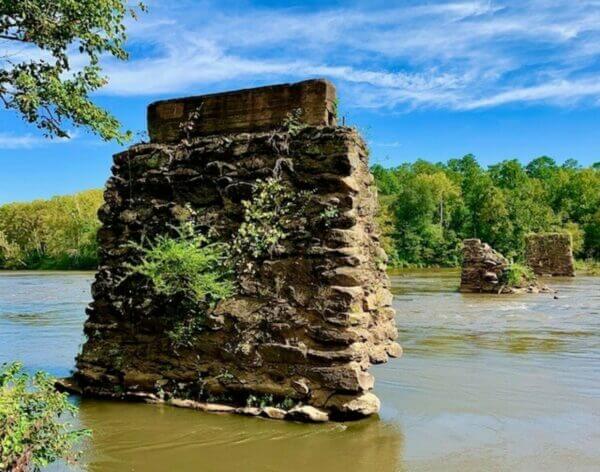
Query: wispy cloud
{"points": [[385, 144], [29, 141], [446, 54], [559, 92]]}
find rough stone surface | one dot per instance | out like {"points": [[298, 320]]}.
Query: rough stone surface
{"points": [[482, 267], [274, 413], [484, 270], [344, 406], [550, 254], [249, 110], [307, 413], [304, 328]]}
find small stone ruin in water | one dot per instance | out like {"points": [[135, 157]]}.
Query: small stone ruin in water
{"points": [[296, 339], [484, 270], [550, 254], [482, 267]]}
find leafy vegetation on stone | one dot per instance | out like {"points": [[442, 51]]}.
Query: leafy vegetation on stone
{"points": [[518, 275], [46, 91], [187, 265], [262, 401], [191, 267], [184, 332], [273, 212], [328, 215], [203, 272], [293, 123], [33, 433]]}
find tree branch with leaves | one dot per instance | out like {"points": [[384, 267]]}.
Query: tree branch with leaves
{"points": [[39, 40]]}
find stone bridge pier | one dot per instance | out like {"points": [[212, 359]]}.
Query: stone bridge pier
{"points": [[296, 339]]}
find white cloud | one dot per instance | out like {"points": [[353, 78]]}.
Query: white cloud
{"points": [[29, 141], [560, 92], [385, 144], [445, 54]]}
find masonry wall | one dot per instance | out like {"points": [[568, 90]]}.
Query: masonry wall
{"points": [[482, 267], [550, 254], [305, 327]]}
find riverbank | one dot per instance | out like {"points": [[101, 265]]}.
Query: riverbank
{"points": [[587, 267]]}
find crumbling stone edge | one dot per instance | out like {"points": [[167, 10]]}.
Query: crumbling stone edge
{"points": [[483, 269], [366, 405]]}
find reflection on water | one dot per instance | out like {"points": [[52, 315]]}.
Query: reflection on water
{"points": [[486, 383], [147, 437]]}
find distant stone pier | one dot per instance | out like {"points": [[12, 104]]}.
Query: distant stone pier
{"points": [[296, 339], [482, 267], [550, 254]]}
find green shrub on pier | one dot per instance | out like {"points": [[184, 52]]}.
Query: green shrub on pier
{"points": [[518, 275], [187, 264]]}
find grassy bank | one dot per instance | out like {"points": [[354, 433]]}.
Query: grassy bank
{"points": [[588, 267], [54, 234]]}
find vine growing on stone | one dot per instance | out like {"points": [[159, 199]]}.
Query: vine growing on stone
{"points": [[187, 266], [272, 214]]}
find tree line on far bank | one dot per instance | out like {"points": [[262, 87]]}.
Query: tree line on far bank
{"points": [[59, 233], [426, 210]]}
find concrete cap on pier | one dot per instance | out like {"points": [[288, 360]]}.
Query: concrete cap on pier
{"points": [[248, 110]]}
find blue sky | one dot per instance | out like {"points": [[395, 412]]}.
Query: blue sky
{"points": [[421, 79]]}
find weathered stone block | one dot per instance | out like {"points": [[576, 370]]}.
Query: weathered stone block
{"points": [[550, 254], [482, 267], [250, 110]]}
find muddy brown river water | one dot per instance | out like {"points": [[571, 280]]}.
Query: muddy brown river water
{"points": [[486, 383]]}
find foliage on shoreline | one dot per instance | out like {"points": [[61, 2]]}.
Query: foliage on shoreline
{"points": [[58, 234], [428, 209], [589, 267], [32, 431]]}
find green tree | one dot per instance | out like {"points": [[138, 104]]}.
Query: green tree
{"points": [[508, 174], [37, 76], [490, 216], [541, 167], [32, 431], [592, 236], [387, 181], [432, 207], [424, 209], [59, 233]]}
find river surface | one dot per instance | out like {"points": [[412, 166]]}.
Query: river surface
{"points": [[502, 383]]}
